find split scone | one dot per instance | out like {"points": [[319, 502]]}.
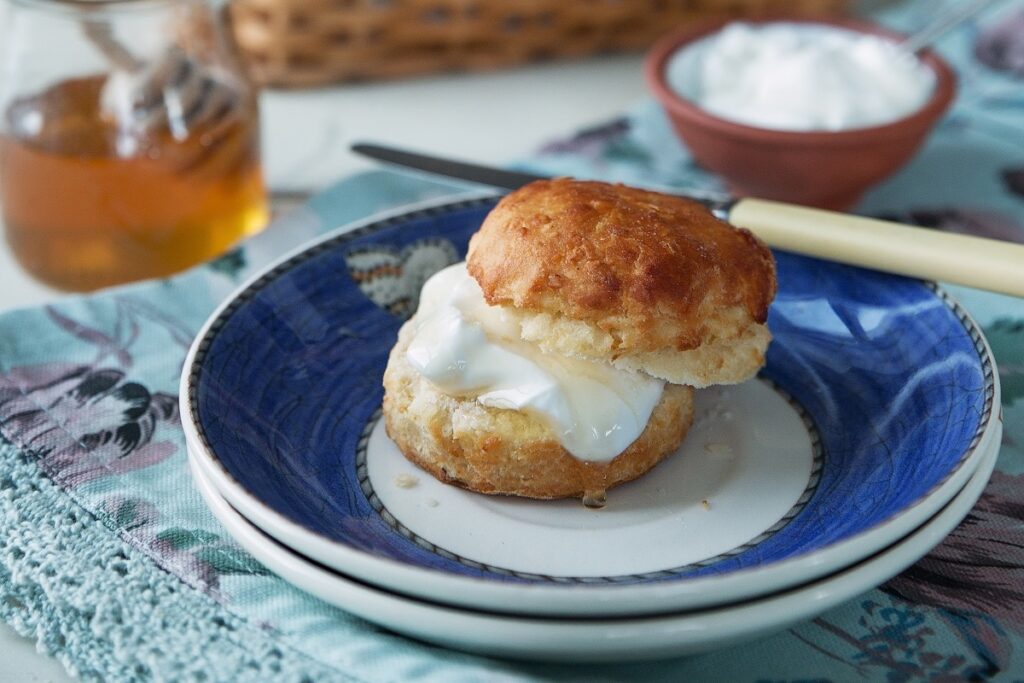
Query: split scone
{"points": [[560, 359]]}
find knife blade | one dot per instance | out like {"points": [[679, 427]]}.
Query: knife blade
{"points": [[891, 247], [474, 173], [502, 178]]}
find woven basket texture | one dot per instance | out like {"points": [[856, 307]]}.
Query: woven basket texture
{"points": [[297, 43]]}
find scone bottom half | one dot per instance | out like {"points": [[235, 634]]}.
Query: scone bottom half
{"points": [[646, 282], [509, 452]]}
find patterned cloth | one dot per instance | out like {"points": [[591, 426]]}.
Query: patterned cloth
{"points": [[109, 558]]}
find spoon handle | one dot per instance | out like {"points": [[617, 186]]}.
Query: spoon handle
{"points": [[891, 247], [946, 21]]}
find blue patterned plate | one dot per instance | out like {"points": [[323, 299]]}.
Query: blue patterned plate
{"points": [[577, 639], [873, 410]]}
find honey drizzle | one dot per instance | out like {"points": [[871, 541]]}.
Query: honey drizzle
{"points": [[595, 478]]}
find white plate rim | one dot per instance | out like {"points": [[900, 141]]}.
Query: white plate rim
{"points": [[590, 639], [562, 599]]}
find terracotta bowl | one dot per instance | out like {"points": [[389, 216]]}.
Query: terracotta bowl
{"points": [[817, 168]]}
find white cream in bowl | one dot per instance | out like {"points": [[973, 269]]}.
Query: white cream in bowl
{"points": [[800, 77]]}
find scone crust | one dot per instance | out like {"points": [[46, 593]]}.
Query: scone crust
{"points": [[508, 452], [654, 271]]}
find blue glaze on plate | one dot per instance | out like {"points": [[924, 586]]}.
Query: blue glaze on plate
{"points": [[288, 377]]}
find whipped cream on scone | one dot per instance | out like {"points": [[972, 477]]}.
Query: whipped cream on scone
{"points": [[468, 349]]}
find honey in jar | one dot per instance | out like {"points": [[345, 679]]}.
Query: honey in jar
{"points": [[91, 198], [129, 139]]}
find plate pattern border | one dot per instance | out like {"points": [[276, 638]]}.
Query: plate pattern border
{"points": [[817, 462]]}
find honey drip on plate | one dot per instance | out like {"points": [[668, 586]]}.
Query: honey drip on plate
{"points": [[595, 500], [594, 482]]}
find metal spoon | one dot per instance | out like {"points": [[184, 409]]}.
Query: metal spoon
{"points": [[946, 21]]}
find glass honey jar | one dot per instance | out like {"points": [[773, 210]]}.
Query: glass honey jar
{"points": [[129, 140]]}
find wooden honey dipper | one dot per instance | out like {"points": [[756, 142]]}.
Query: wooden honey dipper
{"points": [[172, 94]]}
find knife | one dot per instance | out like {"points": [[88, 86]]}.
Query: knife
{"points": [[891, 247]]}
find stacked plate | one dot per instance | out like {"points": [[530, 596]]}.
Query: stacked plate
{"points": [[867, 438]]}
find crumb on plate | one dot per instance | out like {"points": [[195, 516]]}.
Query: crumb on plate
{"points": [[718, 448], [406, 481]]}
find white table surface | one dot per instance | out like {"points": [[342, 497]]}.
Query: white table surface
{"points": [[489, 118]]}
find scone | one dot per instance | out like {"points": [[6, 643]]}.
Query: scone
{"points": [[560, 359], [643, 280]]}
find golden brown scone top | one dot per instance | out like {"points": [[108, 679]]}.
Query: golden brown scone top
{"points": [[650, 268]]}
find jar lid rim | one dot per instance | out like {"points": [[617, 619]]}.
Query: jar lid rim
{"points": [[99, 7]]}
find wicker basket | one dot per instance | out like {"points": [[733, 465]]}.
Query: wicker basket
{"points": [[294, 43]]}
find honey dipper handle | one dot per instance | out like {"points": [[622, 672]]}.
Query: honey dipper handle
{"points": [[891, 247]]}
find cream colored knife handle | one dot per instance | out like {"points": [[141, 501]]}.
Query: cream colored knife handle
{"points": [[918, 252]]}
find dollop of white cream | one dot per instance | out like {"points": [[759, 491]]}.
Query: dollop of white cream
{"points": [[800, 76], [469, 349]]}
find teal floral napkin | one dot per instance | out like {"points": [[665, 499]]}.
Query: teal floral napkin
{"points": [[110, 560]]}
